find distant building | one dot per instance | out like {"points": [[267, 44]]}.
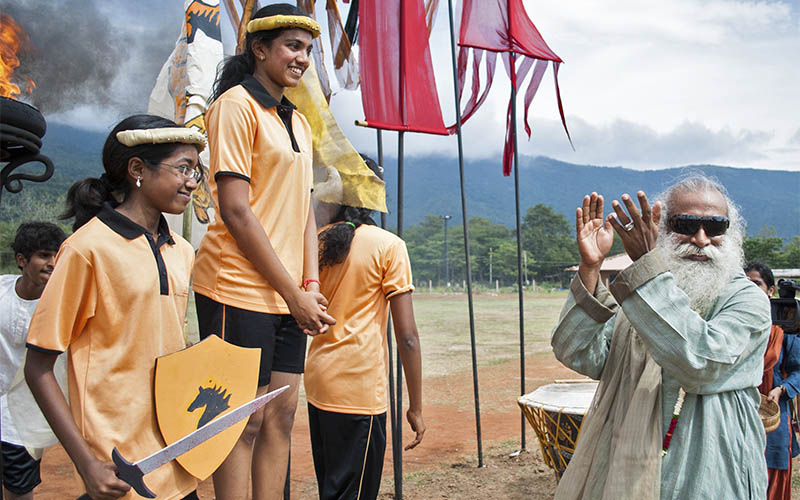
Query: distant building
{"points": [[615, 264], [611, 267], [791, 274]]}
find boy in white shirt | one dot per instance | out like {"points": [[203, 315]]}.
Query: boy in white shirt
{"points": [[35, 247]]}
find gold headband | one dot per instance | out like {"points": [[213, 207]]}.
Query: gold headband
{"points": [[280, 21], [165, 135]]}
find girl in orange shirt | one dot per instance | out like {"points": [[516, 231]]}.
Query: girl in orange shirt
{"points": [[364, 271], [256, 280], [115, 302]]}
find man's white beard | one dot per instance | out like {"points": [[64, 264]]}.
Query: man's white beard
{"points": [[702, 281]]}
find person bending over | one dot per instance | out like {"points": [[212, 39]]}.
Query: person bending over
{"points": [[365, 272]]}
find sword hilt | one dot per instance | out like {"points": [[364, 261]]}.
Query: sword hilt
{"points": [[131, 474]]}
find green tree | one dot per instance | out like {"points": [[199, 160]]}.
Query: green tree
{"points": [[484, 235], [789, 257], [504, 262], [765, 247], [550, 240], [425, 242]]}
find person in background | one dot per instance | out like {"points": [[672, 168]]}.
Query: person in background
{"points": [[35, 246], [117, 301], [365, 272], [780, 383]]}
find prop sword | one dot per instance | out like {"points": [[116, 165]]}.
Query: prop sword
{"points": [[133, 473]]}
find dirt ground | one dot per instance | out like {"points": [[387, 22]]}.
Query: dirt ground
{"points": [[445, 465]]}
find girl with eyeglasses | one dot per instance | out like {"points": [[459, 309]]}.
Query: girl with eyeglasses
{"points": [[115, 302]]}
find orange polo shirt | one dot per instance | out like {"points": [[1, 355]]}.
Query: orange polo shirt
{"points": [[346, 368], [248, 139], [117, 300]]}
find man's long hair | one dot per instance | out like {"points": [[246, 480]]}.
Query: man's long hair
{"points": [[695, 182], [703, 282]]}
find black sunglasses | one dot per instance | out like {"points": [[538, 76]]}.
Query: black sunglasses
{"points": [[688, 225]]}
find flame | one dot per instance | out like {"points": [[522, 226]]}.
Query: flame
{"points": [[12, 37]]}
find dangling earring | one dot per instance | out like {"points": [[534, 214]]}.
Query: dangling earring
{"points": [[138, 182]]}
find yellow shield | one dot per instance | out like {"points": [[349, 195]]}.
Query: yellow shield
{"points": [[197, 384]]}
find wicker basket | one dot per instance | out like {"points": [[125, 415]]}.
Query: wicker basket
{"points": [[770, 414]]}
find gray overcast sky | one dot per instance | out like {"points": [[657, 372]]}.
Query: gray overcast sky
{"points": [[645, 84]]}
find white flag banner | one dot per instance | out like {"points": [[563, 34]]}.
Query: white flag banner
{"points": [[185, 82]]}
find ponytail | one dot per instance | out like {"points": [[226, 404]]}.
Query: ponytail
{"points": [[232, 71], [334, 242], [84, 200]]}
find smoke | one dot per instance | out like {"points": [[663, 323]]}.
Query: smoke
{"points": [[85, 52]]}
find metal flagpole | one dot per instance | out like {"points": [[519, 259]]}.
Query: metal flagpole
{"points": [[519, 243], [398, 422], [466, 238], [380, 164], [392, 405]]}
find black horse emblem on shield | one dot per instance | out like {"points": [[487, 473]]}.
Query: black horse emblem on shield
{"points": [[215, 401]]}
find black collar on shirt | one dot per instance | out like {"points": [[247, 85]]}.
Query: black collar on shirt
{"points": [[285, 108], [131, 230]]}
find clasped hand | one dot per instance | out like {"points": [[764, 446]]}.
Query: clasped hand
{"points": [[309, 310]]}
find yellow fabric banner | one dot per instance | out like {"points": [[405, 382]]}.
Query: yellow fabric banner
{"points": [[360, 187]]}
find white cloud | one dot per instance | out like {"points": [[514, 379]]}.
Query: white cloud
{"points": [[645, 84], [635, 145]]}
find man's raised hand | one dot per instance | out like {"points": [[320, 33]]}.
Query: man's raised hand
{"points": [[637, 229], [594, 236]]}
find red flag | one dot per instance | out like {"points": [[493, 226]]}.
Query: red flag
{"points": [[491, 27], [398, 89]]}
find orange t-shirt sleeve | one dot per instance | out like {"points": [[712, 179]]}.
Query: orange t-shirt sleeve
{"points": [[68, 302], [396, 270], [232, 127]]}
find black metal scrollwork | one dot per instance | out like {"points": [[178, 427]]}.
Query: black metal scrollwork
{"points": [[13, 182], [19, 147]]}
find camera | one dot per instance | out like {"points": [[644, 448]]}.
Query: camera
{"points": [[786, 308]]}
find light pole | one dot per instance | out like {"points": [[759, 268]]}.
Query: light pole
{"points": [[446, 218], [525, 265], [490, 267]]}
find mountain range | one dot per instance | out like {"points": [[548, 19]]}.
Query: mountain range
{"points": [[767, 198]]}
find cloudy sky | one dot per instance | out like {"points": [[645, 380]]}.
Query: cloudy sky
{"points": [[645, 84]]}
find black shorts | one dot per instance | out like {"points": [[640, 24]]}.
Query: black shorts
{"points": [[190, 496], [20, 470], [348, 452], [282, 342]]}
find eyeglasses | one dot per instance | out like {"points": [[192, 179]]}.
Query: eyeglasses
{"points": [[688, 225], [196, 173]]}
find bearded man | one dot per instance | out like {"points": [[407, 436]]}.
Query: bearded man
{"points": [[677, 341]]}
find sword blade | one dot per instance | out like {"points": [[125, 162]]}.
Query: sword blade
{"points": [[204, 433]]}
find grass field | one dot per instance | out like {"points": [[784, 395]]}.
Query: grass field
{"points": [[443, 323]]}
